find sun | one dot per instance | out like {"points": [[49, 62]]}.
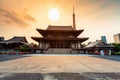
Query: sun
{"points": [[54, 14]]}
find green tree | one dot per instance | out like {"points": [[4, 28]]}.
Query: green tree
{"points": [[33, 45], [24, 48], [83, 45], [116, 47]]}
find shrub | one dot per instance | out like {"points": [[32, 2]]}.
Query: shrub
{"points": [[116, 53], [116, 47], [24, 48]]}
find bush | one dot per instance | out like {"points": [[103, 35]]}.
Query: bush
{"points": [[116, 53], [116, 47], [24, 48], [2, 53]]}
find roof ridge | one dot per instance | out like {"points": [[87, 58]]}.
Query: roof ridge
{"points": [[52, 27]]}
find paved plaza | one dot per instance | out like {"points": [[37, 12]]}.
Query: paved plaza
{"points": [[86, 67]]}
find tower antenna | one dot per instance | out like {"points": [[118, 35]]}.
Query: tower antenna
{"points": [[74, 25]]}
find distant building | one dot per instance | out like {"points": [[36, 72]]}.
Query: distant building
{"points": [[1, 38], [97, 46], [13, 42], [117, 38], [103, 38]]}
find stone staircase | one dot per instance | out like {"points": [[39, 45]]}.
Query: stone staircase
{"points": [[58, 51]]}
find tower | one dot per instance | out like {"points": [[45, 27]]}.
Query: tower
{"points": [[103, 38], [117, 38], [74, 25]]}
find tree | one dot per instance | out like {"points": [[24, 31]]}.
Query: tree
{"points": [[24, 48], [116, 47], [34, 45], [83, 45]]}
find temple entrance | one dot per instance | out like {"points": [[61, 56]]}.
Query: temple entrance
{"points": [[59, 45]]}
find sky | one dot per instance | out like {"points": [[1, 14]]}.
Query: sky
{"points": [[97, 17]]}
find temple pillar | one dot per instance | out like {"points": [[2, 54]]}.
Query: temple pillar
{"points": [[39, 44], [80, 45], [63, 45], [47, 45], [42, 45], [74, 45], [56, 45], [71, 45], [77, 44]]}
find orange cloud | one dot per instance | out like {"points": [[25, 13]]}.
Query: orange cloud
{"points": [[14, 17]]}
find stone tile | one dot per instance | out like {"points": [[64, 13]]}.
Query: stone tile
{"points": [[60, 76], [23, 76], [49, 64]]}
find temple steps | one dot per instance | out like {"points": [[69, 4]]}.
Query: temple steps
{"points": [[59, 51]]}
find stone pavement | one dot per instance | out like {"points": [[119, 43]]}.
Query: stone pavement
{"points": [[60, 76], [59, 67]]}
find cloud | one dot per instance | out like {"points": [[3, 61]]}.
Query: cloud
{"points": [[26, 16], [29, 18], [95, 9], [14, 17]]}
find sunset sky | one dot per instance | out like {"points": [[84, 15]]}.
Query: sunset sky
{"points": [[97, 17]]}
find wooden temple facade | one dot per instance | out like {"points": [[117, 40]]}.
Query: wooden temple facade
{"points": [[60, 37], [98, 46]]}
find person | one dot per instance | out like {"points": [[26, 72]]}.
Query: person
{"points": [[102, 53], [109, 52]]}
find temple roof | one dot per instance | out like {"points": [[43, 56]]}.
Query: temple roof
{"points": [[1, 38], [98, 43], [38, 39], [15, 40], [51, 27], [64, 32]]}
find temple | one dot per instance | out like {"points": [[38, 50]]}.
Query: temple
{"points": [[13, 43], [60, 37]]}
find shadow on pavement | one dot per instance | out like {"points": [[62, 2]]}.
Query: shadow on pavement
{"points": [[6, 57], [112, 57], [60, 76]]}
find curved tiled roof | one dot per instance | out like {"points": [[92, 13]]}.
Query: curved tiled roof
{"points": [[98, 43], [15, 40], [1, 38], [52, 27], [38, 39], [63, 32]]}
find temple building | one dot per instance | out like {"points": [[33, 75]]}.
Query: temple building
{"points": [[63, 37], [13, 43], [1, 39], [98, 46]]}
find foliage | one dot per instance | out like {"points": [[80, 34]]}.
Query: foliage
{"points": [[83, 45], [24, 48], [116, 53], [116, 47], [34, 45]]}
